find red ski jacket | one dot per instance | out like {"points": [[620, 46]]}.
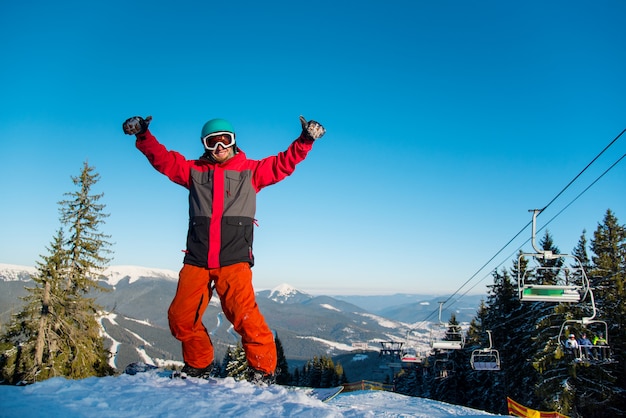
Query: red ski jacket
{"points": [[222, 197]]}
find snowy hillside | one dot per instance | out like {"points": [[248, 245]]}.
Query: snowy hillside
{"points": [[147, 395]]}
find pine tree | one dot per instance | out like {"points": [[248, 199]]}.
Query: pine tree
{"points": [[304, 375], [57, 333], [340, 377], [449, 366], [406, 382], [580, 252], [608, 275], [502, 306], [573, 388], [476, 330], [592, 384], [315, 373], [609, 272], [235, 364], [556, 380], [295, 378], [329, 376], [51, 273], [87, 247], [320, 372], [551, 391], [228, 356], [283, 376], [454, 331], [513, 336], [480, 388]]}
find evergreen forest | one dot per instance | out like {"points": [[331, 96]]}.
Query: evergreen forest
{"points": [[535, 368]]}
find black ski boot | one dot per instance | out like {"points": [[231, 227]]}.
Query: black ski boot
{"points": [[260, 378], [203, 373]]}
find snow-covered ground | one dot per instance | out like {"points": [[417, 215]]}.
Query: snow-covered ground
{"points": [[148, 395]]}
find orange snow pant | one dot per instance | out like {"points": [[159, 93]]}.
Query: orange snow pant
{"points": [[233, 285]]}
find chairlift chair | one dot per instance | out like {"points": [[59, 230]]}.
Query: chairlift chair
{"points": [[485, 358], [596, 353], [452, 340], [589, 354], [410, 355], [443, 367], [570, 281]]}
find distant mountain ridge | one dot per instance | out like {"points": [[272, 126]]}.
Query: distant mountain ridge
{"points": [[114, 274], [15, 273], [111, 275], [136, 325]]}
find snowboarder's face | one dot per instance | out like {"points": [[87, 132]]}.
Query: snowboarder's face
{"points": [[221, 154]]}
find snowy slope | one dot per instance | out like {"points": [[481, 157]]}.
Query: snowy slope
{"points": [[147, 395]]}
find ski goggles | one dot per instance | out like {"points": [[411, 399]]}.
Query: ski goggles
{"points": [[212, 140]]}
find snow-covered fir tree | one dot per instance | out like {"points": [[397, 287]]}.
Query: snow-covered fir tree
{"points": [[235, 364]]}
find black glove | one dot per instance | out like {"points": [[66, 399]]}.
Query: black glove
{"points": [[136, 125], [312, 130]]}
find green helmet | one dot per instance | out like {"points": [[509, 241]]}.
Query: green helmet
{"points": [[216, 125]]}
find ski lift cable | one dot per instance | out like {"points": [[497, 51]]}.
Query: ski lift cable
{"points": [[476, 273], [529, 223], [551, 219], [582, 171], [526, 226], [539, 230]]}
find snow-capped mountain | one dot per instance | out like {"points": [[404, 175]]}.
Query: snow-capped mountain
{"points": [[285, 293]]}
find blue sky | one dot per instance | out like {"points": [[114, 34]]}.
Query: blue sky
{"points": [[446, 122]]}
